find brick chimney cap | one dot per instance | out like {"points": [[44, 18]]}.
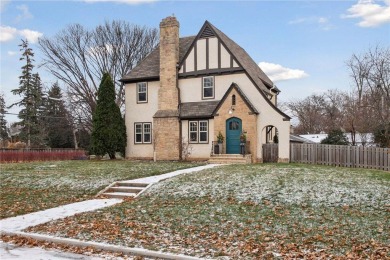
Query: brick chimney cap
{"points": [[169, 21]]}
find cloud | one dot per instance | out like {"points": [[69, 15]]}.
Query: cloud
{"points": [[25, 13], [8, 33], [322, 22], [372, 14], [130, 2], [277, 72], [12, 53]]}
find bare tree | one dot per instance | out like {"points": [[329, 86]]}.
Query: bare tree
{"points": [[371, 74], [78, 57]]}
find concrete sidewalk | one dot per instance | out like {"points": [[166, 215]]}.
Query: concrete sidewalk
{"points": [[15, 225]]}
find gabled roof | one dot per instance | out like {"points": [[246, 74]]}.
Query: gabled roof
{"points": [[149, 68], [243, 96], [203, 109], [257, 75]]}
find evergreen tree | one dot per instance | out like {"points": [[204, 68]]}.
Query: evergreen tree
{"points": [[108, 126], [57, 120], [30, 89], [336, 137], [3, 122]]}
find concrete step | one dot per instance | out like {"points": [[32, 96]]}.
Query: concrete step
{"points": [[132, 184], [125, 189], [230, 159], [119, 195]]}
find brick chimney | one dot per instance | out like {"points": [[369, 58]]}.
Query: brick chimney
{"points": [[169, 58], [166, 122]]}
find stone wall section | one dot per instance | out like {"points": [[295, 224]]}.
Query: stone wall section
{"points": [[167, 138], [242, 111]]}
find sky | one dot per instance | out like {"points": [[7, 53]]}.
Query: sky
{"points": [[302, 46]]}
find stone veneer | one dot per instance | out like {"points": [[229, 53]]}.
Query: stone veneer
{"points": [[242, 111], [168, 93], [166, 124], [167, 138]]}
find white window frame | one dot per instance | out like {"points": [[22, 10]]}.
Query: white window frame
{"points": [[143, 132], [193, 130], [203, 131], [204, 87], [141, 84], [197, 129]]}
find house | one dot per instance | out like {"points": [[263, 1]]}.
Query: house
{"points": [[361, 139], [190, 89], [296, 139]]}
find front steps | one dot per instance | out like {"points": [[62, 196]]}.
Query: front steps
{"points": [[230, 159], [123, 189]]}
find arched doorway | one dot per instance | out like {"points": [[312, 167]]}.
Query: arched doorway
{"points": [[233, 132], [270, 144]]}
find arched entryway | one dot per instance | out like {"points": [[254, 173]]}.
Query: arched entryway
{"points": [[270, 144], [233, 132]]}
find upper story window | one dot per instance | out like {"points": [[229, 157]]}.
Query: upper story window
{"points": [[208, 87], [233, 100], [142, 92]]}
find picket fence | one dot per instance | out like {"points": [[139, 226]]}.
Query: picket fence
{"points": [[341, 155], [28, 155]]}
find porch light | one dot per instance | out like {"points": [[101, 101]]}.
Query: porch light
{"points": [[231, 110]]}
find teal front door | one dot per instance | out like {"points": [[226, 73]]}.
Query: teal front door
{"points": [[233, 132]]}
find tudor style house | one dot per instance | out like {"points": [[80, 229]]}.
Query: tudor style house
{"points": [[189, 90]]}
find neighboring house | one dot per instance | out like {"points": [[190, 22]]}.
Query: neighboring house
{"points": [[296, 139], [361, 139], [189, 89]]}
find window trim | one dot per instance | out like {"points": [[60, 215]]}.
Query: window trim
{"points": [[213, 88], [138, 92], [198, 131], [142, 132]]}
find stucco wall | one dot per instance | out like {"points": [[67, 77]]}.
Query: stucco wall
{"points": [[142, 112]]}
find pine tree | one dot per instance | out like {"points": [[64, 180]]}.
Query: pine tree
{"points": [[336, 137], [3, 122], [108, 126], [57, 120], [30, 89]]}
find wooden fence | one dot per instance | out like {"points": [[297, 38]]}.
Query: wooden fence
{"points": [[270, 153], [341, 155], [28, 155]]}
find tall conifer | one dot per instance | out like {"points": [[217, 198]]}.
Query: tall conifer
{"points": [[108, 129]]}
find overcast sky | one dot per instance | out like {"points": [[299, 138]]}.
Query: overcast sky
{"points": [[301, 45]]}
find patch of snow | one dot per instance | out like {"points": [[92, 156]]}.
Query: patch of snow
{"points": [[323, 187]]}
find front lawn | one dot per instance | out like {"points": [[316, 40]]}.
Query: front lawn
{"points": [[29, 187], [249, 212]]}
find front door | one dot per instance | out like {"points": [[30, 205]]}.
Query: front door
{"points": [[233, 132]]}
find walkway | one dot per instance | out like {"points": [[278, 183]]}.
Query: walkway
{"points": [[16, 224]]}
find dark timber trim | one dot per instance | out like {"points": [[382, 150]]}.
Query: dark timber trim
{"points": [[207, 53], [196, 56], [210, 72], [219, 54]]}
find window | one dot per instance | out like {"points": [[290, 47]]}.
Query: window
{"points": [[234, 125], [199, 131], [142, 92], [233, 100], [143, 133], [208, 87]]}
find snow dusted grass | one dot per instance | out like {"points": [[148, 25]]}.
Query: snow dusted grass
{"points": [[29, 187], [250, 212]]}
